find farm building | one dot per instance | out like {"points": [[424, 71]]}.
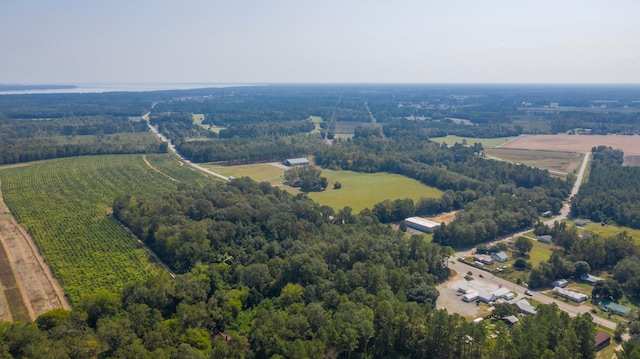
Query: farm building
{"points": [[614, 308], [500, 256], [591, 279], [470, 297], [545, 239], [483, 258], [510, 320], [500, 292], [421, 224], [560, 283], [525, 307], [293, 162], [570, 294], [602, 339], [485, 296]]}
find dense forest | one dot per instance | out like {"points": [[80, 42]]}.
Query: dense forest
{"points": [[612, 193], [262, 273]]}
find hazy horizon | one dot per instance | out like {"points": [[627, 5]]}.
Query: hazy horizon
{"points": [[330, 42]]}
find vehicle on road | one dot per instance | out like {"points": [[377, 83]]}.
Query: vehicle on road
{"points": [[481, 275], [528, 292]]}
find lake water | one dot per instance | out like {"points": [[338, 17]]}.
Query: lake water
{"points": [[125, 87]]}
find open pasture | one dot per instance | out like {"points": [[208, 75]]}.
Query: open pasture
{"points": [[259, 172], [364, 190], [565, 162], [64, 205], [630, 145], [486, 142]]}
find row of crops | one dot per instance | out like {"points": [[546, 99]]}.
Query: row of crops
{"points": [[64, 204]]}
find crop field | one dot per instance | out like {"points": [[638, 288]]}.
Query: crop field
{"points": [[363, 190], [565, 162], [486, 142], [128, 138], [259, 172], [64, 205], [199, 117], [630, 145]]}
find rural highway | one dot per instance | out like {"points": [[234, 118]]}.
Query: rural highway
{"points": [[573, 310], [172, 148]]}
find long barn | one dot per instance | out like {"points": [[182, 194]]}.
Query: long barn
{"points": [[421, 224]]}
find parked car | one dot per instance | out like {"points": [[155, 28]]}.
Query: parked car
{"points": [[528, 292], [481, 275]]}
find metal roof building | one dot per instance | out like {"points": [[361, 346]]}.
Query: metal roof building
{"points": [[421, 224], [292, 162]]}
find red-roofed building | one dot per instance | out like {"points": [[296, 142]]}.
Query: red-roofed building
{"points": [[602, 340]]}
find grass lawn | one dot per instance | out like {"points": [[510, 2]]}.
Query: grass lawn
{"points": [[486, 142], [611, 230], [199, 117], [363, 190], [359, 190], [259, 172], [316, 122]]}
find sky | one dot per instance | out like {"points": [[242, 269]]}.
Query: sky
{"points": [[321, 41]]}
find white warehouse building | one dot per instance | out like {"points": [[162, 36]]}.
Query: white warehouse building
{"points": [[421, 224]]}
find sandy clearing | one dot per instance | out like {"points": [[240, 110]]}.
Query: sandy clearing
{"points": [[42, 291]]}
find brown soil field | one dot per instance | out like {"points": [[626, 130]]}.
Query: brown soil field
{"points": [[564, 162], [28, 285], [630, 145], [447, 217]]}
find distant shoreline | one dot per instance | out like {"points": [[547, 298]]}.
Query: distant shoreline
{"points": [[20, 89]]}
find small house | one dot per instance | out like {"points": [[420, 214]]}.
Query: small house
{"points": [[614, 308], [484, 258], [570, 294], [591, 279], [510, 320], [486, 297], [545, 239], [560, 283], [603, 339], [500, 256], [525, 307]]}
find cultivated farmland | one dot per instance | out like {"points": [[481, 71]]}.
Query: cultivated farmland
{"points": [[64, 205], [630, 145]]}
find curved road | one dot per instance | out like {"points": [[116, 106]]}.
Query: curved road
{"points": [[172, 148], [492, 280]]}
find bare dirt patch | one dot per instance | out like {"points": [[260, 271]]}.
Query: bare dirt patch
{"points": [[445, 217], [35, 285], [630, 145], [561, 162]]}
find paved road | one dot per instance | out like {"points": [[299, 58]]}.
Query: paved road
{"points": [[172, 148]]}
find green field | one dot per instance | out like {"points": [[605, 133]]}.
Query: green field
{"points": [[124, 138], [199, 117], [359, 190], [611, 230], [317, 120], [363, 190], [64, 204], [486, 142]]}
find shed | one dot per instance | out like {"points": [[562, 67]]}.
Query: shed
{"points": [[603, 339], [509, 296], [477, 321], [545, 239], [581, 222], [293, 162], [500, 256], [421, 224]]}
